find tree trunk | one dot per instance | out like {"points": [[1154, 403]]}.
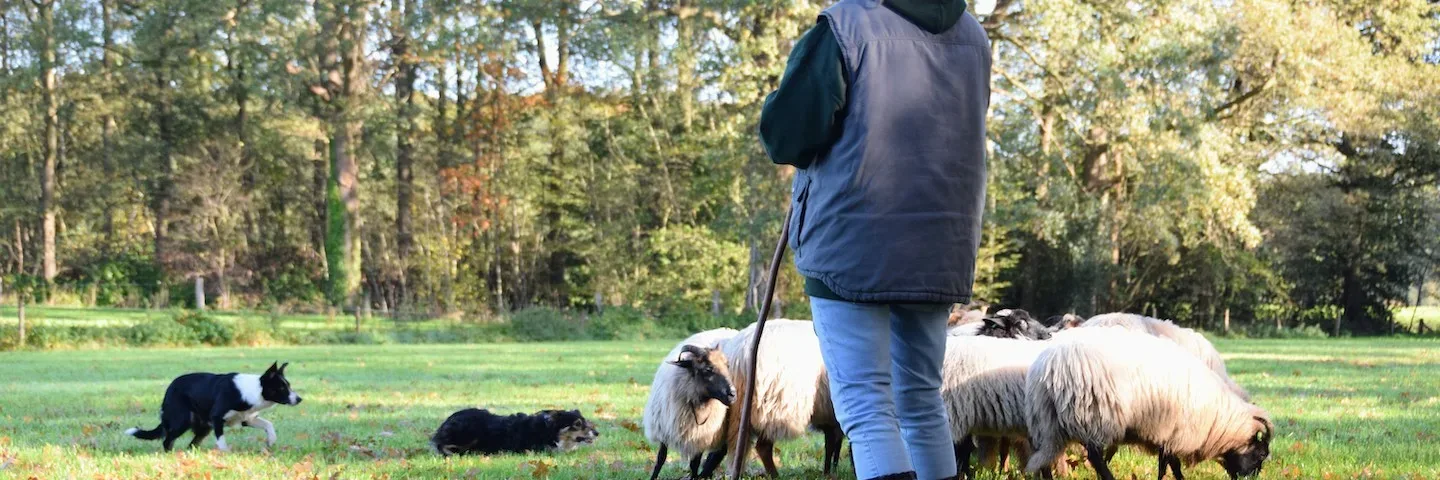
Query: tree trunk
{"points": [[405, 103], [320, 181], [20, 312], [344, 87], [240, 93], [52, 136], [222, 285], [107, 122], [1352, 303], [20, 292]]}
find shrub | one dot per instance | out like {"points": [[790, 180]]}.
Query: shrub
{"points": [[544, 324], [163, 331], [207, 330], [623, 323]]}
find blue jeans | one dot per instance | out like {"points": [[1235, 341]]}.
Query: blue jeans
{"points": [[884, 367]]}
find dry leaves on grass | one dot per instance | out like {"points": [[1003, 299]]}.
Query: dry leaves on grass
{"points": [[539, 469], [629, 425]]}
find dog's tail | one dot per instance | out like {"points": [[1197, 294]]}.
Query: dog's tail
{"points": [[152, 434]]}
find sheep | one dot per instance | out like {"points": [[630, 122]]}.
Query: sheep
{"points": [[984, 385], [1188, 339], [792, 393], [689, 398], [1007, 323], [966, 313], [1105, 386], [1062, 322]]}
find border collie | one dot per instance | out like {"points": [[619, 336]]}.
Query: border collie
{"points": [[475, 430], [202, 401]]}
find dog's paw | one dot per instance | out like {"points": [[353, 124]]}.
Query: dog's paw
{"points": [[221, 446]]}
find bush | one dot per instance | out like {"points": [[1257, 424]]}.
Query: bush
{"points": [[623, 323], [1269, 331], [207, 330], [160, 332], [544, 324]]}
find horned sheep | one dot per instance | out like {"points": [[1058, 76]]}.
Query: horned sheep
{"points": [[1105, 386]]}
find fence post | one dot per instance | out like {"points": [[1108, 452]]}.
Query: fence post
{"points": [[200, 293]]}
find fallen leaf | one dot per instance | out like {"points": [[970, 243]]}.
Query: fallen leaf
{"points": [[629, 425]]}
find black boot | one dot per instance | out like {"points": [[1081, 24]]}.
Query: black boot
{"points": [[897, 476]]}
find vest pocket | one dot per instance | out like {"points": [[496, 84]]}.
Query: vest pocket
{"points": [[799, 197]]}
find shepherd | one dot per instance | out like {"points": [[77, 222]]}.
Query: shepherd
{"points": [[882, 111]]}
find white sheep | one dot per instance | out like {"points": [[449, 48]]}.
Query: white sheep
{"points": [[1188, 339], [1104, 386], [689, 398], [984, 392], [792, 392]]}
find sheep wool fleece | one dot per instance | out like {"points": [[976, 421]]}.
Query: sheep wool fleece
{"points": [[891, 212]]}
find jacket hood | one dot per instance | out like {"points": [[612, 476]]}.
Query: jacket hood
{"points": [[934, 16]]}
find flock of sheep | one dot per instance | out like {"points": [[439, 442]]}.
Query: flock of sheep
{"points": [[1114, 379]]}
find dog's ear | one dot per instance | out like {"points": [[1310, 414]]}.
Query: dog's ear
{"points": [[273, 368], [282, 367]]}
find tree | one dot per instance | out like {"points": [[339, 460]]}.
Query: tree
{"points": [[343, 89]]}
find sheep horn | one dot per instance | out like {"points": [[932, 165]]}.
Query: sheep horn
{"points": [[694, 350], [1269, 428]]}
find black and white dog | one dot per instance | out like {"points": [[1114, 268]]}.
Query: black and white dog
{"points": [[475, 430], [202, 401]]}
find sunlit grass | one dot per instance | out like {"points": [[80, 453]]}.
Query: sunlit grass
{"points": [[1344, 409]]}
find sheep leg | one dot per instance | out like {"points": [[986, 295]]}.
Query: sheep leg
{"points": [[962, 455], [1004, 453], [694, 466], [1110, 452], [1097, 461], [711, 463], [659, 461], [1175, 467], [833, 437], [765, 449], [1164, 462]]}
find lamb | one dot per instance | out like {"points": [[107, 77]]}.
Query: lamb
{"points": [[689, 398], [1105, 386], [792, 393], [1188, 339]]}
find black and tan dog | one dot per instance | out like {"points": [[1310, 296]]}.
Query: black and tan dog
{"points": [[477, 431]]}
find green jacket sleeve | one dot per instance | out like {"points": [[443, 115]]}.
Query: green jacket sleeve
{"points": [[802, 117]]}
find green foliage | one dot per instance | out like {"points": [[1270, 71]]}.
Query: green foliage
{"points": [[1186, 158], [544, 324], [338, 281], [161, 332], [621, 323], [207, 330]]}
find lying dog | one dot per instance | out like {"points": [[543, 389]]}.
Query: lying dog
{"points": [[202, 401], [476, 430]]}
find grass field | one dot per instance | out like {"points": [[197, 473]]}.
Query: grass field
{"points": [[123, 317], [1343, 409]]}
